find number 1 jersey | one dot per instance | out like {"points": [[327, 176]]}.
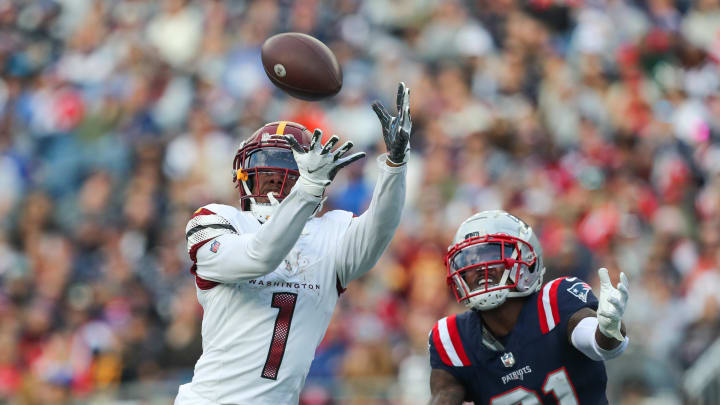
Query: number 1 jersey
{"points": [[260, 334]]}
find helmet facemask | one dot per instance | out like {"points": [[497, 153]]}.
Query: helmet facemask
{"points": [[484, 271], [264, 169], [265, 176]]}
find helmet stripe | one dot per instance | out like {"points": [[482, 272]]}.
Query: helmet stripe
{"points": [[281, 128]]}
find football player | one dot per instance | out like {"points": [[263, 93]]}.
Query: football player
{"points": [[269, 274], [522, 341]]}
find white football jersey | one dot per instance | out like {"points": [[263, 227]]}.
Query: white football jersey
{"points": [[260, 331]]}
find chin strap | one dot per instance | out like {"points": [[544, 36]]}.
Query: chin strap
{"points": [[263, 211], [273, 201], [504, 278]]}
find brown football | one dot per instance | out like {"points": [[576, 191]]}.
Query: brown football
{"points": [[301, 65]]}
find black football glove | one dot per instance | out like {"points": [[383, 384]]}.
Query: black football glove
{"points": [[396, 130]]}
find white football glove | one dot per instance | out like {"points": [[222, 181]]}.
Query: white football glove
{"points": [[318, 166], [612, 304]]}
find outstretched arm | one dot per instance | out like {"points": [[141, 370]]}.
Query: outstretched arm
{"points": [[369, 235], [445, 389], [601, 335]]}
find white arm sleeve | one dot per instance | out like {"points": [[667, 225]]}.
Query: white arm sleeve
{"points": [[369, 234], [583, 338], [251, 255]]}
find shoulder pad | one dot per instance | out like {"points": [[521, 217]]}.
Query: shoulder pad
{"points": [[580, 289], [205, 224], [226, 211], [445, 337]]}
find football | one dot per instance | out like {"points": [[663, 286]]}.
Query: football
{"points": [[301, 65]]}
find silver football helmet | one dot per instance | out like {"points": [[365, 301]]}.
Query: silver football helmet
{"points": [[494, 256]]}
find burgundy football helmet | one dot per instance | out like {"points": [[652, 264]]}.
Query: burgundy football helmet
{"points": [[264, 163]]}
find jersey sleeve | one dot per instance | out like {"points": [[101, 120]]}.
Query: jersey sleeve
{"points": [[447, 351], [205, 226], [369, 235], [222, 254], [560, 298]]}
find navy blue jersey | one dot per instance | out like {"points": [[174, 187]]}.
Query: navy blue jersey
{"points": [[538, 364]]}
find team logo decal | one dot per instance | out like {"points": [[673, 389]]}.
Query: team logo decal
{"points": [[215, 246], [472, 235], [507, 359], [580, 290]]}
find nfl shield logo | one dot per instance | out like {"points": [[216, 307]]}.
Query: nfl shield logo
{"points": [[508, 359], [215, 246]]}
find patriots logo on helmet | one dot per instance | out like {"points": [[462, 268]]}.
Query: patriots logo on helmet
{"points": [[580, 290]]}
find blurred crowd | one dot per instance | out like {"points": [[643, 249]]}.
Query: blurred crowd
{"points": [[596, 121]]}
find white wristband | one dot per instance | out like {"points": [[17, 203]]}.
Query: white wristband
{"points": [[583, 338]]}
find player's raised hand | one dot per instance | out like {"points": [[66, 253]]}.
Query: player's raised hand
{"points": [[319, 165], [396, 129], [612, 304]]}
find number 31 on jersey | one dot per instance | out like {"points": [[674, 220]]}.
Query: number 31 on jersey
{"points": [[556, 382]]}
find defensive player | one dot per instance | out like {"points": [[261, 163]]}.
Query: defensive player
{"points": [[522, 342], [269, 274]]}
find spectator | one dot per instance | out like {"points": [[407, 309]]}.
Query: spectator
{"points": [[598, 122]]}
